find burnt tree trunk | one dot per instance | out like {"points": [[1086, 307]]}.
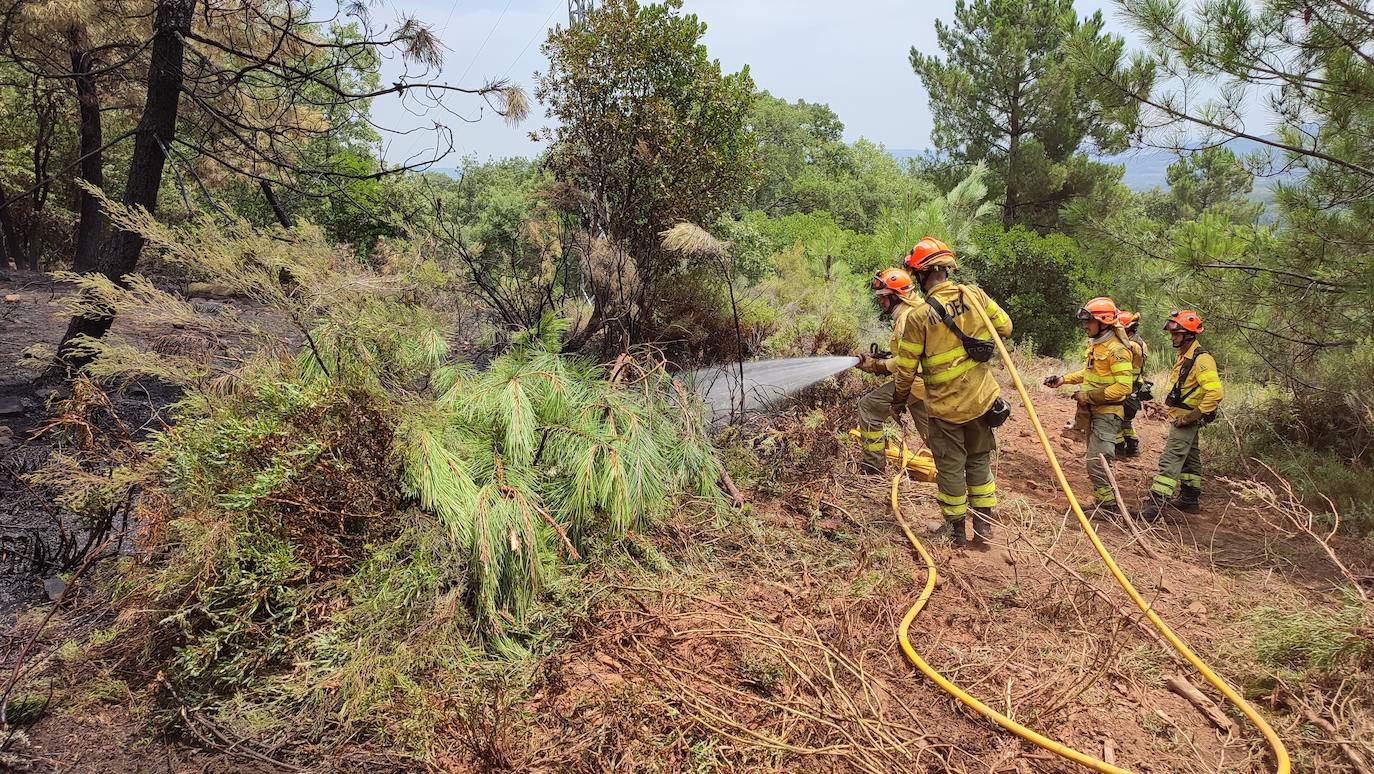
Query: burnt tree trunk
{"points": [[9, 235], [156, 130], [44, 111], [271, 197], [90, 224]]}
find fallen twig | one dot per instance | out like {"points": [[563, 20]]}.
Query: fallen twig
{"points": [[728, 485], [1125, 514], [1198, 699], [1353, 755]]}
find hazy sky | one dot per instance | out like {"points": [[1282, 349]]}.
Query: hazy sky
{"points": [[852, 56]]}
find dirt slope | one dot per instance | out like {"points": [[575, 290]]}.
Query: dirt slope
{"points": [[764, 640], [783, 654]]}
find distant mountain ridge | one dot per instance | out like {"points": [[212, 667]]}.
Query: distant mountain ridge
{"points": [[1147, 168]]}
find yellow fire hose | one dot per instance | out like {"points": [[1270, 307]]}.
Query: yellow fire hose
{"points": [[1280, 752]]}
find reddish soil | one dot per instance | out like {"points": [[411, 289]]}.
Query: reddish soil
{"points": [[769, 643]]}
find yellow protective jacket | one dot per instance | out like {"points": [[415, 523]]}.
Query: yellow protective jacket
{"points": [[1202, 389], [1140, 350], [1109, 375], [902, 366], [959, 389]]}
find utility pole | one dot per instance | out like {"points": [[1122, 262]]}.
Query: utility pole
{"points": [[578, 9]]}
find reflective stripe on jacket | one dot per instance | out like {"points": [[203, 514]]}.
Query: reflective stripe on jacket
{"points": [[1139, 350], [1109, 373], [959, 389], [1202, 389], [903, 366]]}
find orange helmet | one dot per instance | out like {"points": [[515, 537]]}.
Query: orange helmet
{"points": [[1102, 309], [1129, 319], [930, 253], [892, 282], [1186, 321]]}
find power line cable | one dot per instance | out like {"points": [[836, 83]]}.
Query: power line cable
{"points": [[449, 18], [480, 48], [556, 5]]}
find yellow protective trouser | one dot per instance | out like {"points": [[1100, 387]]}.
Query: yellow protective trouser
{"points": [[1127, 430], [1102, 434], [963, 466], [1180, 462], [874, 409]]}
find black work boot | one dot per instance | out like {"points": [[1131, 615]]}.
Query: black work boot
{"points": [[1153, 507], [1105, 509], [1189, 499], [982, 525], [954, 530], [1128, 448]]}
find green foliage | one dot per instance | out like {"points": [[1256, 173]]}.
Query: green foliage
{"points": [[805, 166], [815, 298], [667, 143], [342, 193], [1309, 290], [1008, 93], [1213, 179], [1317, 437], [798, 312], [825, 246], [950, 217], [1039, 280], [1291, 643], [344, 523]]}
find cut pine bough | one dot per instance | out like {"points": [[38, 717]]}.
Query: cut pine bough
{"points": [[1281, 762]]}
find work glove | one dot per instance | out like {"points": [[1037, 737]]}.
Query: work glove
{"points": [[1083, 398], [1053, 380], [899, 405], [867, 363], [1189, 419]]}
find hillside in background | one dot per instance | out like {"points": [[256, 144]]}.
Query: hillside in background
{"points": [[1146, 168]]}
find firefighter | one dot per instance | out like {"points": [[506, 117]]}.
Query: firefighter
{"points": [[896, 295], [1127, 444], [962, 398], [1194, 395], [1106, 379]]}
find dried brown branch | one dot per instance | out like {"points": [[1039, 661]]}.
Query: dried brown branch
{"points": [[1205, 705]]}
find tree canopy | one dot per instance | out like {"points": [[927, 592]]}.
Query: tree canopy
{"points": [[1007, 93]]}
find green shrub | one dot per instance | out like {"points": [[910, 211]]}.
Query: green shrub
{"points": [[797, 313], [1291, 643], [1318, 436], [1039, 280], [340, 529]]}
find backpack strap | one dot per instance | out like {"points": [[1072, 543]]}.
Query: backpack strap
{"points": [[1177, 392], [949, 319], [943, 314]]}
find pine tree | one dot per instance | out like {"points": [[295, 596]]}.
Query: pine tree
{"points": [[1006, 92]]}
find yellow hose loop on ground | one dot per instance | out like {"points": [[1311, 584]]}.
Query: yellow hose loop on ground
{"points": [[954, 690], [1282, 765]]}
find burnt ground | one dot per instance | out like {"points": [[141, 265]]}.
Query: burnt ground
{"points": [[767, 642], [37, 542], [28, 315]]}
